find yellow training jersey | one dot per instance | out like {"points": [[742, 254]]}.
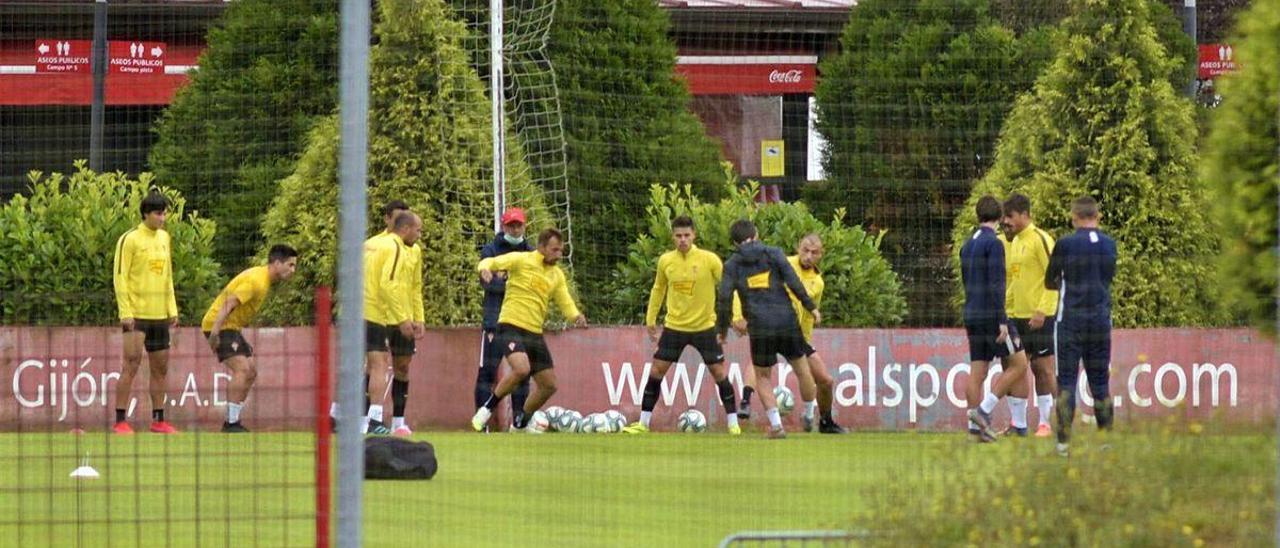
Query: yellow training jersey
{"points": [[1026, 259], [687, 282], [388, 283], [250, 288], [813, 284], [531, 284], [143, 273]]}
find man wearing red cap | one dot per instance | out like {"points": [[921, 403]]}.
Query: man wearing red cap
{"points": [[511, 239]]}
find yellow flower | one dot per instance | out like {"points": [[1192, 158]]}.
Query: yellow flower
{"points": [[1187, 530]]}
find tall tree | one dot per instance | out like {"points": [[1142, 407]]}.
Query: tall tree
{"points": [[1243, 167], [268, 75], [1104, 120]]}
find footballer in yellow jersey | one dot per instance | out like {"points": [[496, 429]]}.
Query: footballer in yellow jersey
{"points": [[232, 311], [533, 280], [686, 281], [143, 277]]}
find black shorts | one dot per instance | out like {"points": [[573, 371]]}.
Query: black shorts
{"points": [[384, 338], [512, 340], [1038, 343], [982, 342], [766, 348], [671, 344], [155, 333], [231, 343]]}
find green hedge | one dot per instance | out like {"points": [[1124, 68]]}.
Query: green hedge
{"points": [[1104, 120], [861, 289], [58, 244], [1242, 167]]}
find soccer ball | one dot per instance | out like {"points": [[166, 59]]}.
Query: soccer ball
{"points": [[568, 421], [786, 401], [553, 413], [539, 421], [617, 420], [692, 421], [600, 423], [588, 423]]}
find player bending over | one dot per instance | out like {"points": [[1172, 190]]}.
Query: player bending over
{"points": [[533, 280], [230, 312]]}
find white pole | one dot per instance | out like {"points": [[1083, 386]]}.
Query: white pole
{"points": [[499, 119], [352, 224]]}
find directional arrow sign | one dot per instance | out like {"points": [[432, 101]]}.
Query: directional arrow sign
{"points": [[65, 57], [130, 57]]}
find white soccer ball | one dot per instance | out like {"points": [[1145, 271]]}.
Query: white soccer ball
{"points": [[692, 421], [786, 401], [617, 421], [539, 421], [553, 413], [568, 421], [601, 423], [589, 423]]}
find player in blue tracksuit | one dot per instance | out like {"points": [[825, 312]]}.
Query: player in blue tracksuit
{"points": [[990, 334], [511, 239], [1081, 269]]}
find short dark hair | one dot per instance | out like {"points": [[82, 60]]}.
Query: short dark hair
{"points": [[154, 201], [742, 230], [547, 235], [1017, 203], [1085, 207], [394, 206], [281, 252], [404, 221], [683, 221], [988, 209]]}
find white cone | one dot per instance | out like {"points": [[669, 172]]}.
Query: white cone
{"points": [[85, 472]]}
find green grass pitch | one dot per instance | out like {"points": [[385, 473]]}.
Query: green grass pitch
{"points": [[210, 489]]}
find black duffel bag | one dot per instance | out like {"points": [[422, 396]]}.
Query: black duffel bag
{"points": [[395, 458]]}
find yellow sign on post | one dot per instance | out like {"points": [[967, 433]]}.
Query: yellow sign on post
{"points": [[771, 158]]}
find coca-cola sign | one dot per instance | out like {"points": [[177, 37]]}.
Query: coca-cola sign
{"points": [[708, 78], [792, 76]]}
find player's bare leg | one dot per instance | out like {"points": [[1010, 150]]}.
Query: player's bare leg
{"points": [[1046, 382], [826, 394], [973, 395], [243, 375], [545, 387], [764, 384], [519, 362], [400, 394], [132, 342], [808, 391], [376, 366], [158, 373], [720, 373]]}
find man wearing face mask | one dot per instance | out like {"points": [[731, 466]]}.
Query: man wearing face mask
{"points": [[511, 239]]}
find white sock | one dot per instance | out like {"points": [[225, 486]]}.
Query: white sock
{"points": [[731, 419], [397, 422], [973, 425], [233, 412], [988, 402], [333, 409], [645, 417], [810, 407], [775, 420], [1018, 411], [375, 413], [1044, 404]]}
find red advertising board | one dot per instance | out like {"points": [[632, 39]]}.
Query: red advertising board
{"points": [[136, 57], [1215, 60], [62, 56], [906, 379], [748, 78]]}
